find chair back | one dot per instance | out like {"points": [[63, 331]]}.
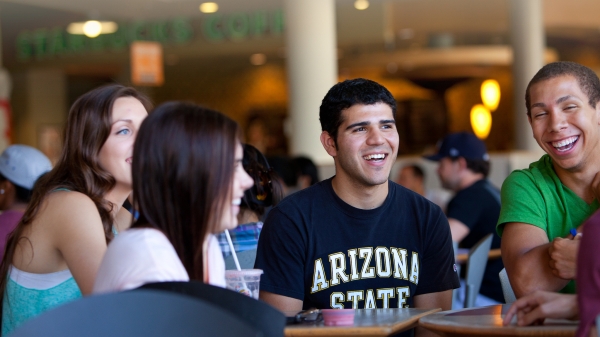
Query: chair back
{"points": [[455, 292], [245, 258], [136, 313], [509, 294], [259, 315], [476, 263]]}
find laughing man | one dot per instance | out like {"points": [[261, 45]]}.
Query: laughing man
{"points": [[357, 240], [541, 204]]}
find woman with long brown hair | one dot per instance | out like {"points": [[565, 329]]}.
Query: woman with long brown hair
{"points": [[54, 253], [188, 182]]}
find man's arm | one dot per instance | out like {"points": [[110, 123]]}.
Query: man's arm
{"points": [[442, 299], [458, 229], [526, 257], [282, 303]]}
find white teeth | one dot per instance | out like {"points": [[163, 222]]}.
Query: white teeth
{"points": [[374, 156], [237, 202], [565, 142]]}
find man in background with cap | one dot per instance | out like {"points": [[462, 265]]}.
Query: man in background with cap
{"points": [[20, 168], [473, 211]]}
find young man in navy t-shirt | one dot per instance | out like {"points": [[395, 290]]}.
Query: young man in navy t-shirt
{"points": [[357, 240]]}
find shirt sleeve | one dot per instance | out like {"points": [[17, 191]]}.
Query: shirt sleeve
{"points": [[438, 271], [137, 257], [522, 201], [281, 256]]}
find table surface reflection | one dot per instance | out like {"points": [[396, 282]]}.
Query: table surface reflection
{"points": [[487, 321], [367, 322]]}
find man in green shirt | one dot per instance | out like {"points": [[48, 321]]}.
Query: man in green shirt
{"points": [[542, 204]]}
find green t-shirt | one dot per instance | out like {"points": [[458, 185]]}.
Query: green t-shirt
{"points": [[536, 196]]}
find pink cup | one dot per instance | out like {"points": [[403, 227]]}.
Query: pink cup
{"points": [[337, 317]]}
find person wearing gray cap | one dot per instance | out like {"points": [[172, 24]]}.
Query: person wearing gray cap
{"points": [[20, 167]]}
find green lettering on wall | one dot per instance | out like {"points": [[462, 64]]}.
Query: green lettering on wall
{"points": [[56, 42], [40, 37], [277, 22], [24, 50], [159, 32], [182, 30], [212, 27], [75, 43], [118, 39], [259, 23], [97, 43], [237, 26], [136, 31]]}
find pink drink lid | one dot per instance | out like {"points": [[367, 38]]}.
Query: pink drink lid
{"points": [[334, 317]]}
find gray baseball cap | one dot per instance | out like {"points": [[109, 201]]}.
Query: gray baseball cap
{"points": [[23, 165]]}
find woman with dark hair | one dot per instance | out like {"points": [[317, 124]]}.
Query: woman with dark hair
{"points": [[54, 253], [266, 192], [188, 182]]}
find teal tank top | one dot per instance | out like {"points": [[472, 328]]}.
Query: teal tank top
{"points": [[22, 303]]}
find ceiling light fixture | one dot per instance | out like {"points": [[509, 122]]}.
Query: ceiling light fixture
{"points": [[481, 121], [92, 28], [209, 7], [361, 4], [490, 94]]}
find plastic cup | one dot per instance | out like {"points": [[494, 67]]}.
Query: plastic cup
{"points": [[338, 317], [245, 281]]}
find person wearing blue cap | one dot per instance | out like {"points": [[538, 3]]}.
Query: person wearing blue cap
{"points": [[20, 168], [473, 211]]}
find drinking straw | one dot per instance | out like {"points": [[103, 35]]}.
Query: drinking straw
{"points": [[235, 259], [244, 289]]}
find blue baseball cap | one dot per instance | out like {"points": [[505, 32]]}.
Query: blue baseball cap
{"points": [[461, 144]]}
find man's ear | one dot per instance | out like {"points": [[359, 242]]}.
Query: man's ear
{"points": [[462, 162], [598, 112], [328, 143]]}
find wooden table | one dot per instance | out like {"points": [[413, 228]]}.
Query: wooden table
{"points": [[367, 322], [487, 321], [463, 255]]}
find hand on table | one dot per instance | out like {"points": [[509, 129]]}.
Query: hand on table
{"points": [[534, 308], [563, 257]]}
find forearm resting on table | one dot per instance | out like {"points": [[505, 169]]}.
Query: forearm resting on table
{"points": [[526, 257], [280, 302], [442, 300]]}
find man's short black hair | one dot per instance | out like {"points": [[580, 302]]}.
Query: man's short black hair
{"points": [[346, 94], [586, 78], [476, 166]]}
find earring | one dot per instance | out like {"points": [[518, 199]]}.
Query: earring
{"points": [[1, 191]]}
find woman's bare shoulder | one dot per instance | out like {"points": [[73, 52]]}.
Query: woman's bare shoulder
{"points": [[62, 208]]}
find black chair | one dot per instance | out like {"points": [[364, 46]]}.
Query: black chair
{"points": [[257, 314], [136, 313]]}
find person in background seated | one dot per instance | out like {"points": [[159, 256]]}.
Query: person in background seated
{"points": [[54, 253], [344, 242], [266, 192], [307, 172], [542, 204], [585, 306], [473, 211], [20, 168], [412, 177], [186, 190]]}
